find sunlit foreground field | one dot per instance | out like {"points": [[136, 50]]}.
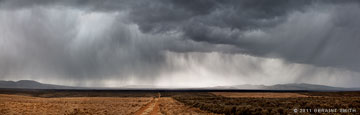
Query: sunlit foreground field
{"points": [[14, 104], [113, 102]]}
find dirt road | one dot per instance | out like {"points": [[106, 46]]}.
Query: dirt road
{"points": [[168, 106], [152, 108]]}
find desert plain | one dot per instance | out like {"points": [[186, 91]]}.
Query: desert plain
{"points": [[161, 102]]}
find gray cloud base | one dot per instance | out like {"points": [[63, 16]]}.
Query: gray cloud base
{"points": [[127, 39]]}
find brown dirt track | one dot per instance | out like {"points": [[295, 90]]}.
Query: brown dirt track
{"points": [[168, 106]]}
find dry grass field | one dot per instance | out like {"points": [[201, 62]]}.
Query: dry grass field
{"points": [[169, 106], [11, 104], [113, 102], [15, 104], [248, 104]]}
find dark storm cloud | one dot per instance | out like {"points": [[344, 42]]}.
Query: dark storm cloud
{"points": [[226, 22], [235, 14], [95, 5], [55, 43], [94, 39], [44, 41]]}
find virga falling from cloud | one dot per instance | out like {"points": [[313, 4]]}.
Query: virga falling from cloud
{"points": [[178, 43]]}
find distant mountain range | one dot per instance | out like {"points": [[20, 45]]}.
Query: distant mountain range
{"points": [[292, 86], [29, 84]]}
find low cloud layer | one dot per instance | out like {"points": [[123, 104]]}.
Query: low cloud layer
{"points": [[175, 43]]}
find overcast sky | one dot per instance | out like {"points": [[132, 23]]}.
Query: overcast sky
{"points": [[180, 43]]}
